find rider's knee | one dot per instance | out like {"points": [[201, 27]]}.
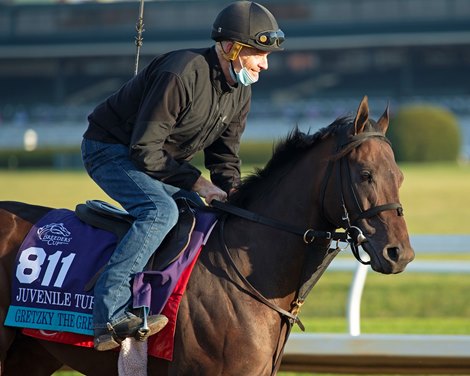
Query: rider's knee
{"points": [[163, 212], [171, 212]]}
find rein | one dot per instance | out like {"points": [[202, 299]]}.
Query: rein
{"points": [[307, 235], [291, 317], [252, 289]]}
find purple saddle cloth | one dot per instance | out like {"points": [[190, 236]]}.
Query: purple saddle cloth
{"points": [[61, 254]]}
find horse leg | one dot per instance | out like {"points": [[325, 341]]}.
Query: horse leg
{"points": [[84, 359], [6, 339], [27, 357], [157, 366]]}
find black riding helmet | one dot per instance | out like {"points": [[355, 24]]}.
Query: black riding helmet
{"points": [[249, 23]]}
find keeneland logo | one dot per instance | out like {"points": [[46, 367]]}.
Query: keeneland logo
{"points": [[54, 234]]}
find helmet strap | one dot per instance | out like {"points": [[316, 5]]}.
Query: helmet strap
{"points": [[233, 53]]}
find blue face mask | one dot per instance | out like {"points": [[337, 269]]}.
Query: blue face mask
{"points": [[243, 76]]}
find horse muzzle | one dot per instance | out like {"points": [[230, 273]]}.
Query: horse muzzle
{"points": [[388, 259]]}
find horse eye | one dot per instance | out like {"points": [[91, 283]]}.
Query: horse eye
{"points": [[366, 176]]}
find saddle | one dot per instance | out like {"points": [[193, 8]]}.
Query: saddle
{"points": [[108, 217]]}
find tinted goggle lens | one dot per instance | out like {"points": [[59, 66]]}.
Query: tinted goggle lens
{"points": [[270, 38]]}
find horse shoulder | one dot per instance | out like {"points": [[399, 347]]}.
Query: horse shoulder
{"points": [[216, 315]]}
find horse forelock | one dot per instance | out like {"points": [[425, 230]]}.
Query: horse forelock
{"points": [[286, 154]]}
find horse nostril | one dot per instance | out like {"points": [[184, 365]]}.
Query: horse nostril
{"points": [[393, 253]]}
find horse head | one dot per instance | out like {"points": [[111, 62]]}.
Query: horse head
{"points": [[367, 181]]}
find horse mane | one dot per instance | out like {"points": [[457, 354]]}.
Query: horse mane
{"points": [[286, 154]]}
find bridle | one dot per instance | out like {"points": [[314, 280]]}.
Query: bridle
{"points": [[343, 170]]}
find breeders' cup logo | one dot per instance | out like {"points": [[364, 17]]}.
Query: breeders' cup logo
{"points": [[54, 234]]}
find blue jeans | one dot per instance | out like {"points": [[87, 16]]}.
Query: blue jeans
{"points": [[150, 202]]}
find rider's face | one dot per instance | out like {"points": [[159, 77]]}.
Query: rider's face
{"points": [[252, 59]]}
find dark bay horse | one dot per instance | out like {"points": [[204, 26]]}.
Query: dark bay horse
{"points": [[232, 319]]}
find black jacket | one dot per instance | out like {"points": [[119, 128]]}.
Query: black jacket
{"points": [[178, 105]]}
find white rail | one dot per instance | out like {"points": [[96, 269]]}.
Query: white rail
{"points": [[377, 354], [421, 244], [373, 353]]}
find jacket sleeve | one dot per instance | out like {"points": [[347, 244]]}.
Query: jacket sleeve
{"points": [[222, 156], [164, 100]]}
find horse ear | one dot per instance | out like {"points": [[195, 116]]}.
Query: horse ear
{"points": [[362, 116], [382, 123]]}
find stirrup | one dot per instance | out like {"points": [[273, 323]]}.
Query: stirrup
{"points": [[150, 325]]}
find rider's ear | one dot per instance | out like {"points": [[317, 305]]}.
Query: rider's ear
{"points": [[382, 123], [362, 116]]}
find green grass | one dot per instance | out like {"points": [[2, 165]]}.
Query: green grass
{"points": [[435, 198], [61, 189], [392, 304]]}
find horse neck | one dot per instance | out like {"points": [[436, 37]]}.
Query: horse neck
{"points": [[271, 258], [297, 198]]}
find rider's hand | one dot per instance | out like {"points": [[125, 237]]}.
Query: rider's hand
{"points": [[208, 191]]}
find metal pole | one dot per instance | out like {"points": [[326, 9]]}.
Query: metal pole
{"points": [[139, 40]]}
